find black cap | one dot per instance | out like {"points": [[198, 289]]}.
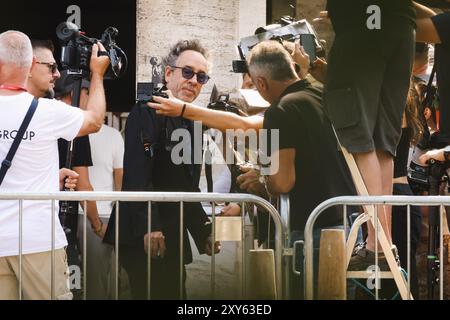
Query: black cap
{"points": [[65, 84]]}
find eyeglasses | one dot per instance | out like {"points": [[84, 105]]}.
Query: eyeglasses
{"points": [[188, 73], [52, 66]]}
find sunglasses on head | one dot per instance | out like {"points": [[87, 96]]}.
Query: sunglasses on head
{"points": [[188, 73], [52, 66]]}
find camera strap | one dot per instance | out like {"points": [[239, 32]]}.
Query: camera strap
{"points": [[6, 163], [150, 131]]}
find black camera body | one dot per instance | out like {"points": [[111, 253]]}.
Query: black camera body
{"points": [[418, 175], [77, 49], [146, 91], [221, 104], [287, 29]]}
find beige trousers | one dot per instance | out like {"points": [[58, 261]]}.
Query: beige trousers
{"points": [[36, 276]]}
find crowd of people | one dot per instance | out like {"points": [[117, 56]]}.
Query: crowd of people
{"points": [[369, 102]]}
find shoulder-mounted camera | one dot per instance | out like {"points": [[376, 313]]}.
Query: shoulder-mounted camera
{"points": [[77, 48]]}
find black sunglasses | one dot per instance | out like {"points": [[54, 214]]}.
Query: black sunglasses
{"points": [[188, 73], [52, 66]]}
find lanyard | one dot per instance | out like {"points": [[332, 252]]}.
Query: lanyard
{"points": [[11, 87]]}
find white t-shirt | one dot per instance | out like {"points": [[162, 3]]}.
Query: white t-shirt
{"points": [[35, 168], [107, 149]]}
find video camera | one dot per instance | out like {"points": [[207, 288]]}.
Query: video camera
{"points": [[77, 48], [146, 90], [287, 29]]}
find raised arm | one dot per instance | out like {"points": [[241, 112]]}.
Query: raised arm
{"points": [[96, 104], [426, 31], [220, 120]]}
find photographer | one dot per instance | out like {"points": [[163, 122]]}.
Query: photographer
{"points": [[149, 166], [35, 168], [45, 81], [432, 28], [367, 83]]}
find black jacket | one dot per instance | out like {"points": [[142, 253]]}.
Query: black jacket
{"points": [[148, 167]]}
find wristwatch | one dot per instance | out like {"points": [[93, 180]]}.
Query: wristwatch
{"points": [[447, 154]]}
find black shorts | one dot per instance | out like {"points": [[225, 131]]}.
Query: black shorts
{"points": [[367, 84]]}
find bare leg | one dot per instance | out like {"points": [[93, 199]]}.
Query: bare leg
{"points": [[373, 168]]}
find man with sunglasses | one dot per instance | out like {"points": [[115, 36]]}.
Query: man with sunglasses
{"points": [[35, 168], [43, 81], [149, 166]]}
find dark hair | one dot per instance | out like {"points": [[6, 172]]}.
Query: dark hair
{"points": [[42, 44], [412, 113], [179, 48]]}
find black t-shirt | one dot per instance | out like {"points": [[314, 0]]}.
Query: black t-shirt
{"points": [[81, 156], [351, 15], [442, 60], [320, 169]]}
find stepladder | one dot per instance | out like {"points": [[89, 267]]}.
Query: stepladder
{"points": [[370, 216]]}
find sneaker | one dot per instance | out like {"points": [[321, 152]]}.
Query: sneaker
{"points": [[362, 259]]}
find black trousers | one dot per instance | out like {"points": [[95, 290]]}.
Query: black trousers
{"points": [[165, 274]]}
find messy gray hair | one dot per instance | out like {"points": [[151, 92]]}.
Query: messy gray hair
{"points": [[271, 59], [179, 48], [15, 48]]}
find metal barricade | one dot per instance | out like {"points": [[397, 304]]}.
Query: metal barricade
{"points": [[440, 201], [181, 197]]}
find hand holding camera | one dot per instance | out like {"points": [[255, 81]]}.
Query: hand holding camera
{"points": [[77, 53], [169, 106], [99, 63]]}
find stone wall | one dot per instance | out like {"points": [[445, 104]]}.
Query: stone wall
{"points": [[219, 24], [307, 9]]}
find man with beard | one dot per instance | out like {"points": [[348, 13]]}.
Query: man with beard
{"points": [[35, 169], [41, 83]]}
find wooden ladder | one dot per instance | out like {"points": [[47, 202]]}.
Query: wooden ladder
{"points": [[369, 216]]}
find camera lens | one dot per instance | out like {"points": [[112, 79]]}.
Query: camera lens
{"points": [[66, 30]]}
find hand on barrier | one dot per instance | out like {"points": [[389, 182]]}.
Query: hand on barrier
{"points": [[157, 244], [208, 246], [231, 210]]}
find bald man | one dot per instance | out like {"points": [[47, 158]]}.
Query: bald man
{"points": [[35, 168]]}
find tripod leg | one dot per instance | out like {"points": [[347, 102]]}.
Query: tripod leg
{"points": [[433, 236]]}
